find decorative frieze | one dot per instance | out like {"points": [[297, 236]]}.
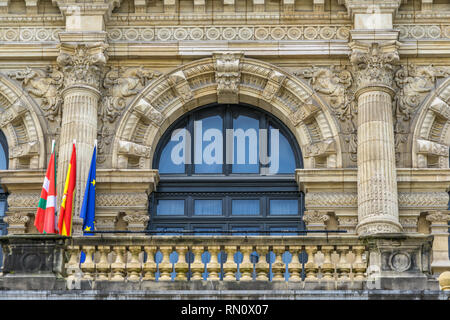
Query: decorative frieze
{"points": [[229, 33], [331, 200]]}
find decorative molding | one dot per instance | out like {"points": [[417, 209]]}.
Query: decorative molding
{"points": [[423, 199], [331, 200], [125, 199], [40, 34], [229, 33], [423, 32]]}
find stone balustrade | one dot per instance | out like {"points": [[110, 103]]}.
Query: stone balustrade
{"points": [[315, 261]]}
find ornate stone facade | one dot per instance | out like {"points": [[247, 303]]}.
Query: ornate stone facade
{"points": [[364, 89]]}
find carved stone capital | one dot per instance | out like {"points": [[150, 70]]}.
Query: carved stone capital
{"points": [[438, 217], [315, 220], [82, 64], [373, 64], [137, 220], [228, 76], [16, 222]]}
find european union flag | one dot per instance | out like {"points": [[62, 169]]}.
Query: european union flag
{"points": [[88, 207]]}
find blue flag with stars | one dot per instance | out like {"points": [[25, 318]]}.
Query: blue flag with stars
{"points": [[87, 212]]}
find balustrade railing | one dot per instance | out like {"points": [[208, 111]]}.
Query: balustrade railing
{"points": [[221, 258]]}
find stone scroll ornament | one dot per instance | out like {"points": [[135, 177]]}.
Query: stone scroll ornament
{"points": [[45, 84], [335, 84], [120, 85], [414, 83]]}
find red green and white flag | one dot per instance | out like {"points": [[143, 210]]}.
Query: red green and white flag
{"points": [[45, 214]]}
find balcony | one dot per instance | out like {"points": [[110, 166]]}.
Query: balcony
{"points": [[217, 264]]}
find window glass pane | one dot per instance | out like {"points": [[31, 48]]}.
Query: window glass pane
{"points": [[175, 153], [283, 206], [246, 145], [3, 164], [283, 231], [170, 207], [285, 160], [2, 207], [208, 150], [245, 207], [245, 231], [208, 207]]}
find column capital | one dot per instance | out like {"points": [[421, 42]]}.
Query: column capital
{"points": [[82, 63], [373, 64]]}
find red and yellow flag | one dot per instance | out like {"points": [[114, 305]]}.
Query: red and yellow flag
{"points": [[45, 214], [65, 213]]}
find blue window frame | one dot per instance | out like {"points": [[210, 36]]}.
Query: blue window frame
{"points": [[201, 192]]}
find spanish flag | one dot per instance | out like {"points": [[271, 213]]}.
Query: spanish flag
{"points": [[45, 214], [65, 213]]}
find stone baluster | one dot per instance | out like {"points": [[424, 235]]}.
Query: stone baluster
{"points": [[118, 266], [197, 267], [311, 267], [327, 267], [230, 267], [213, 266], [134, 266], [343, 267], [88, 266], [246, 266], [73, 265], [377, 175], [359, 266], [82, 65], [262, 267], [103, 266], [150, 266], [165, 266], [181, 267], [278, 267], [295, 267]]}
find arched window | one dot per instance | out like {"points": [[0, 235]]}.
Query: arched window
{"points": [[3, 166], [227, 168]]}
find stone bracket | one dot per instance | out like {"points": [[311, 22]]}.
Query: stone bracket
{"points": [[228, 76]]}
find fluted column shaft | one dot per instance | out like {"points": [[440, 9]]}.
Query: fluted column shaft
{"points": [[79, 121], [377, 178]]}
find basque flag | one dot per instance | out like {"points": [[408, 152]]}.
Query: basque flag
{"points": [[46, 211], [87, 212]]}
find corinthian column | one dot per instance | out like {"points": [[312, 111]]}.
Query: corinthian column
{"points": [[82, 65], [377, 179]]}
